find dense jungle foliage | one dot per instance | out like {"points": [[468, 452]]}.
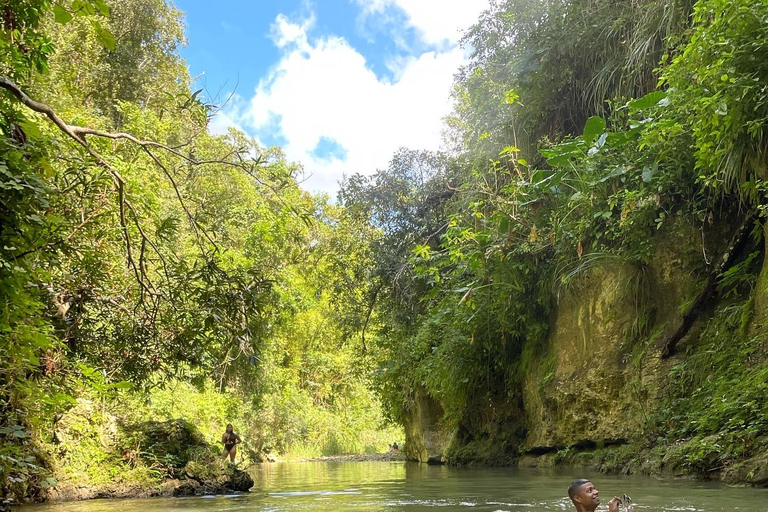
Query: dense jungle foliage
{"points": [[152, 271], [163, 274]]}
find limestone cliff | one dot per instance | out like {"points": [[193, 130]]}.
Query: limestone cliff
{"points": [[602, 387]]}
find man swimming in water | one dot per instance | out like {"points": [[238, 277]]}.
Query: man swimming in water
{"points": [[584, 495]]}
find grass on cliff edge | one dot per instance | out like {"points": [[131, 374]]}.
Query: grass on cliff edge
{"points": [[716, 413]]}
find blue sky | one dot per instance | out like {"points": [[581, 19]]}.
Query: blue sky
{"points": [[339, 84]]}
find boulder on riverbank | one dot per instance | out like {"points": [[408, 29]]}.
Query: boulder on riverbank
{"points": [[154, 458]]}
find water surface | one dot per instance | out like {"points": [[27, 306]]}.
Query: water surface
{"points": [[399, 486]]}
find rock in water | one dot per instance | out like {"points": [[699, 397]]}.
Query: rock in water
{"points": [[238, 480]]}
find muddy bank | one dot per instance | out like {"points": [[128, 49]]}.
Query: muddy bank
{"points": [[361, 457]]}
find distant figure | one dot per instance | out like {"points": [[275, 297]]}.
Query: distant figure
{"points": [[395, 447], [230, 440], [584, 495]]}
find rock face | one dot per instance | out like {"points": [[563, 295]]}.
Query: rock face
{"points": [[229, 481], [593, 384], [425, 439], [579, 397], [604, 370]]}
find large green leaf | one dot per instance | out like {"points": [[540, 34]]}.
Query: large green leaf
{"points": [[649, 100], [61, 15], [594, 127], [105, 37]]}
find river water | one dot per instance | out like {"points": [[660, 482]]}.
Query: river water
{"points": [[399, 486]]}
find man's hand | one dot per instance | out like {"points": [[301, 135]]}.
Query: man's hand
{"points": [[613, 505]]}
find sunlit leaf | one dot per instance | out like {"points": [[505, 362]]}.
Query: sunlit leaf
{"points": [[61, 15]]}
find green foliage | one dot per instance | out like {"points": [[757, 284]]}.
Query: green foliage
{"points": [[194, 257], [716, 404], [563, 60], [621, 162], [127, 269], [717, 91]]}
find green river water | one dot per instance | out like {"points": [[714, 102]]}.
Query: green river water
{"points": [[400, 486]]}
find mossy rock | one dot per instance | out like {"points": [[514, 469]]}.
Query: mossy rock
{"points": [[753, 471], [237, 479], [170, 444]]}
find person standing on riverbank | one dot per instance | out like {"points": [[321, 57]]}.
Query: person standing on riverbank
{"points": [[230, 440], [585, 497]]}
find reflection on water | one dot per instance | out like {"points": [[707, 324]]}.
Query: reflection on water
{"points": [[398, 486]]}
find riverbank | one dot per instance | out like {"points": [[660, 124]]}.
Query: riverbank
{"points": [[356, 486], [361, 457], [659, 462], [221, 479], [153, 458], [229, 481]]}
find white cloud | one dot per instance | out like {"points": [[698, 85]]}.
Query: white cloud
{"points": [[323, 88], [436, 21], [284, 32]]}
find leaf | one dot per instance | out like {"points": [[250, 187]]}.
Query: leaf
{"points": [[102, 7], [649, 100], [509, 149], [31, 129], [647, 174], [594, 127], [61, 15], [561, 160], [83, 8], [105, 37], [601, 140], [533, 235]]}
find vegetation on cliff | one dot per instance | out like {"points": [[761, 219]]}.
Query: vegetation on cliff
{"points": [[588, 136]]}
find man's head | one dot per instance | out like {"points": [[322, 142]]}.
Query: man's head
{"points": [[584, 495]]}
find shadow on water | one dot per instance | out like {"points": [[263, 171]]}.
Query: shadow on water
{"points": [[399, 486]]}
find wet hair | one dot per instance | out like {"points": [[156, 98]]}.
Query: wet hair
{"points": [[575, 485], [229, 425]]}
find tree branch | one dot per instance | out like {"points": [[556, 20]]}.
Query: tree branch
{"points": [[736, 245]]}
